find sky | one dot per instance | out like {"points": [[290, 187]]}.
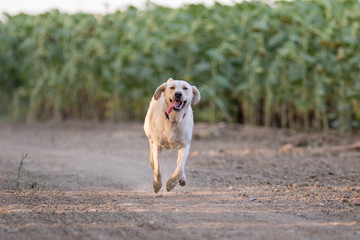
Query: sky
{"points": [[90, 6]]}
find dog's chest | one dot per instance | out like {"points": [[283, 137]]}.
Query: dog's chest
{"points": [[171, 138]]}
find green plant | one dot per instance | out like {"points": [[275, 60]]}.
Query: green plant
{"points": [[294, 64]]}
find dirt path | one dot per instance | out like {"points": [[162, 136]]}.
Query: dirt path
{"points": [[94, 181]]}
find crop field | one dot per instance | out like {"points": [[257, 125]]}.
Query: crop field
{"points": [[292, 65]]}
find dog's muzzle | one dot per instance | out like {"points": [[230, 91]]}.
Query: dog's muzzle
{"points": [[177, 104]]}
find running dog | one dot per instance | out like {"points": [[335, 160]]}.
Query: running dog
{"points": [[169, 123]]}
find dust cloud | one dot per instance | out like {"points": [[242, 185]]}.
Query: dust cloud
{"points": [[99, 154]]}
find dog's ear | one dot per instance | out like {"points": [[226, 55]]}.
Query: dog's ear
{"points": [[196, 95], [159, 90]]}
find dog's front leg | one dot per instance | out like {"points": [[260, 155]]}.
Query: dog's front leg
{"points": [[156, 150], [179, 173]]}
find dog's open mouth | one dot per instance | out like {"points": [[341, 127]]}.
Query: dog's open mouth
{"points": [[176, 106]]}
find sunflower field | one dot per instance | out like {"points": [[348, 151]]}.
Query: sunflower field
{"points": [[289, 64]]}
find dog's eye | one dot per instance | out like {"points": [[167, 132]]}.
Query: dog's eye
{"points": [[185, 88], [172, 88]]}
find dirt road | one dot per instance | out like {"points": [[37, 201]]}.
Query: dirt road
{"points": [[94, 181]]}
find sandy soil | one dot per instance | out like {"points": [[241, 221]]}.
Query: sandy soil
{"points": [[94, 181]]}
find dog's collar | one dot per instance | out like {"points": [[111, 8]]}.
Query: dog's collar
{"points": [[167, 115]]}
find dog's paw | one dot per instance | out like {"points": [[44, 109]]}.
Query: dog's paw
{"points": [[157, 186], [182, 182], [171, 183]]}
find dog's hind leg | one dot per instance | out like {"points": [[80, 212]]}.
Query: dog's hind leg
{"points": [[182, 180], [179, 173], [151, 154], [156, 150]]}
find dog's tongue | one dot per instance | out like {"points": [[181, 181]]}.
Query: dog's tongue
{"points": [[173, 104]]}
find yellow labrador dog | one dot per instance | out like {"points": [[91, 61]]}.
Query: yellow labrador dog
{"points": [[169, 123]]}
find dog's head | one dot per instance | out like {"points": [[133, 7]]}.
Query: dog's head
{"points": [[178, 94]]}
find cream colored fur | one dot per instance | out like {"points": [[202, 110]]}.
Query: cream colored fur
{"points": [[170, 131]]}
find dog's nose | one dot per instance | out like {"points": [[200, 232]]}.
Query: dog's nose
{"points": [[178, 95]]}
